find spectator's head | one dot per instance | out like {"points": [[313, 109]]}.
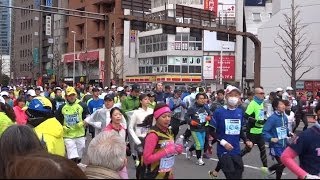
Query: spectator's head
{"points": [[109, 101], [17, 140], [107, 150], [162, 115], [220, 95], [42, 165], [278, 105]]}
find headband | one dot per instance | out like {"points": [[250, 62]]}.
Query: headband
{"points": [[161, 111]]}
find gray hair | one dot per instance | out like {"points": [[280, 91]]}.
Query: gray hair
{"points": [[107, 150]]}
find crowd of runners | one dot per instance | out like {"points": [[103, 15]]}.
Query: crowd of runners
{"points": [[49, 127]]}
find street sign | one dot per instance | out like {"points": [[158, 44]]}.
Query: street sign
{"points": [[49, 3], [35, 56], [48, 25], [50, 40], [50, 56]]}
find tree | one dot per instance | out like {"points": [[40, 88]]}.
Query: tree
{"points": [[294, 45], [117, 62]]}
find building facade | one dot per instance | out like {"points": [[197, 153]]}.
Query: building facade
{"points": [[272, 73], [178, 59], [5, 64], [5, 28], [89, 38]]}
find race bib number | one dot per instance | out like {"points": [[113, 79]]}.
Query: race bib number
{"points": [[282, 132], [166, 164], [233, 126], [202, 117], [72, 120]]}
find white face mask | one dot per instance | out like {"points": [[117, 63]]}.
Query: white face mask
{"points": [[233, 101]]}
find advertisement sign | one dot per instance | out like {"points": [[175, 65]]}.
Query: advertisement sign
{"points": [[211, 5], [35, 56], [48, 25], [300, 85], [227, 10], [208, 67], [228, 67], [49, 3]]}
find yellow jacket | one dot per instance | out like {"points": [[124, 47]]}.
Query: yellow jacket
{"points": [[5, 122], [51, 132]]}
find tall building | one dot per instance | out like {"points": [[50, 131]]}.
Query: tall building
{"points": [[5, 28], [89, 38], [32, 36], [272, 73], [182, 58]]}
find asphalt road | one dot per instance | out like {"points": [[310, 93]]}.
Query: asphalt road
{"points": [[187, 169]]}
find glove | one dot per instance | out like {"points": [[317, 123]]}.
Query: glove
{"points": [[309, 176], [208, 118], [170, 149], [194, 123], [179, 148]]}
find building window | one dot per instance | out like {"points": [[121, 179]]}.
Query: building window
{"points": [[186, 42], [153, 65], [256, 16], [153, 43]]}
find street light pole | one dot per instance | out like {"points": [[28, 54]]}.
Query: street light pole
{"points": [[74, 57]]}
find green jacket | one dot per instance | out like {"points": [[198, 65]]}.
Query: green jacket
{"points": [[71, 116], [130, 103], [5, 122]]}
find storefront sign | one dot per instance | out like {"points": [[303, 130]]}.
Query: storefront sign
{"points": [[208, 67], [211, 5]]}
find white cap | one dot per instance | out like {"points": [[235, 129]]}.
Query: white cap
{"points": [[31, 92], [58, 88], [289, 88], [2, 100], [106, 87], [113, 86], [4, 93], [231, 88], [279, 89], [41, 88], [99, 88], [120, 89]]}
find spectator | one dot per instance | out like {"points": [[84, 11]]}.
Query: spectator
{"points": [[44, 166], [21, 117], [106, 156], [15, 141]]}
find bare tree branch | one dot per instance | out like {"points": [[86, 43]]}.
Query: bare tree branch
{"points": [[306, 71], [285, 70]]}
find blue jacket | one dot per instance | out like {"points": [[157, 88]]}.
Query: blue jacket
{"points": [[276, 126]]}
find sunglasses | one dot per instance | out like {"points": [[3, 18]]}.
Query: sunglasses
{"points": [[262, 93]]}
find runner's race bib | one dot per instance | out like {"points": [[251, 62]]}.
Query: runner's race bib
{"points": [[202, 117], [282, 132], [233, 126], [72, 120], [261, 114], [166, 164]]}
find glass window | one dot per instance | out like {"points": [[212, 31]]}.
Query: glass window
{"points": [[197, 69], [149, 48], [178, 37], [256, 16], [192, 38], [164, 38], [149, 69], [177, 69], [142, 49], [156, 47], [184, 69], [185, 37], [142, 40], [191, 69], [170, 68], [198, 46]]}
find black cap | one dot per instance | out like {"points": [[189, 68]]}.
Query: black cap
{"points": [[109, 97], [95, 89], [135, 87]]}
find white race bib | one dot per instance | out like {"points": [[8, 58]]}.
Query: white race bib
{"points": [[202, 117], [233, 126], [261, 114], [282, 132], [166, 164]]}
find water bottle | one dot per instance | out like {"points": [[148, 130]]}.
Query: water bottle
{"points": [[180, 140]]}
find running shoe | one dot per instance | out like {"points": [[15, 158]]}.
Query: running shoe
{"points": [[213, 174], [200, 162], [137, 162], [266, 172], [189, 154]]}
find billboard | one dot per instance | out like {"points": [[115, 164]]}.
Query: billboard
{"points": [[255, 2], [228, 67], [208, 67], [211, 5], [210, 43]]}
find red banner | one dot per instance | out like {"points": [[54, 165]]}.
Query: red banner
{"points": [[228, 67], [211, 5], [308, 85]]}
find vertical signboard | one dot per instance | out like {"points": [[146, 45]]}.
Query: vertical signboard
{"points": [[228, 67], [35, 56], [211, 5], [48, 25], [49, 3], [208, 67]]}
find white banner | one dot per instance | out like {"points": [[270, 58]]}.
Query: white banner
{"points": [[208, 67], [48, 25]]}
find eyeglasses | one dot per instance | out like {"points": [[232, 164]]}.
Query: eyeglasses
{"points": [[262, 93]]}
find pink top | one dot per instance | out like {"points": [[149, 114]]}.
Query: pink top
{"points": [[287, 158], [151, 141], [21, 117]]}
